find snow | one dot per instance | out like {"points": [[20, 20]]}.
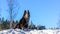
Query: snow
{"points": [[18, 31]]}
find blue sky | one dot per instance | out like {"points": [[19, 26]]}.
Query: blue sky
{"points": [[43, 12]]}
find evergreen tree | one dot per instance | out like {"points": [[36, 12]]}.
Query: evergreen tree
{"points": [[32, 26]]}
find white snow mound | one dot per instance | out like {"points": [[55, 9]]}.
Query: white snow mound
{"points": [[18, 31]]}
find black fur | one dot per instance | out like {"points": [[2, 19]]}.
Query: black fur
{"points": [[23, 23]]}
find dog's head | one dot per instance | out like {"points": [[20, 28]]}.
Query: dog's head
{"points": [[26, 14]]}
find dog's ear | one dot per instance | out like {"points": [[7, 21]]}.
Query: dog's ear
{"points": [[28, 12], [24, 13]]}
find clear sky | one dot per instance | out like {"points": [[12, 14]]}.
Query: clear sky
{"points": [[43, 12]]}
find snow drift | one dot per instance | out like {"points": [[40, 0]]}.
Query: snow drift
{"points": [[18, 31]]}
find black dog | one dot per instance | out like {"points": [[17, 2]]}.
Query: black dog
{"points": [[23, 23]]}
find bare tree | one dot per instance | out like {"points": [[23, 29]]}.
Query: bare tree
{"points": [[13, 10]]}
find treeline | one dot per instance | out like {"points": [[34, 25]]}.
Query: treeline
{"points": [[5, 24], [39, 27]]}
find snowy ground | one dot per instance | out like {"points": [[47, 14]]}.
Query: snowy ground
{"points": [[18, 31]]}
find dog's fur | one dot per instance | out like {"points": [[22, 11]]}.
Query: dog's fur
{"points": [[23, 23]]}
